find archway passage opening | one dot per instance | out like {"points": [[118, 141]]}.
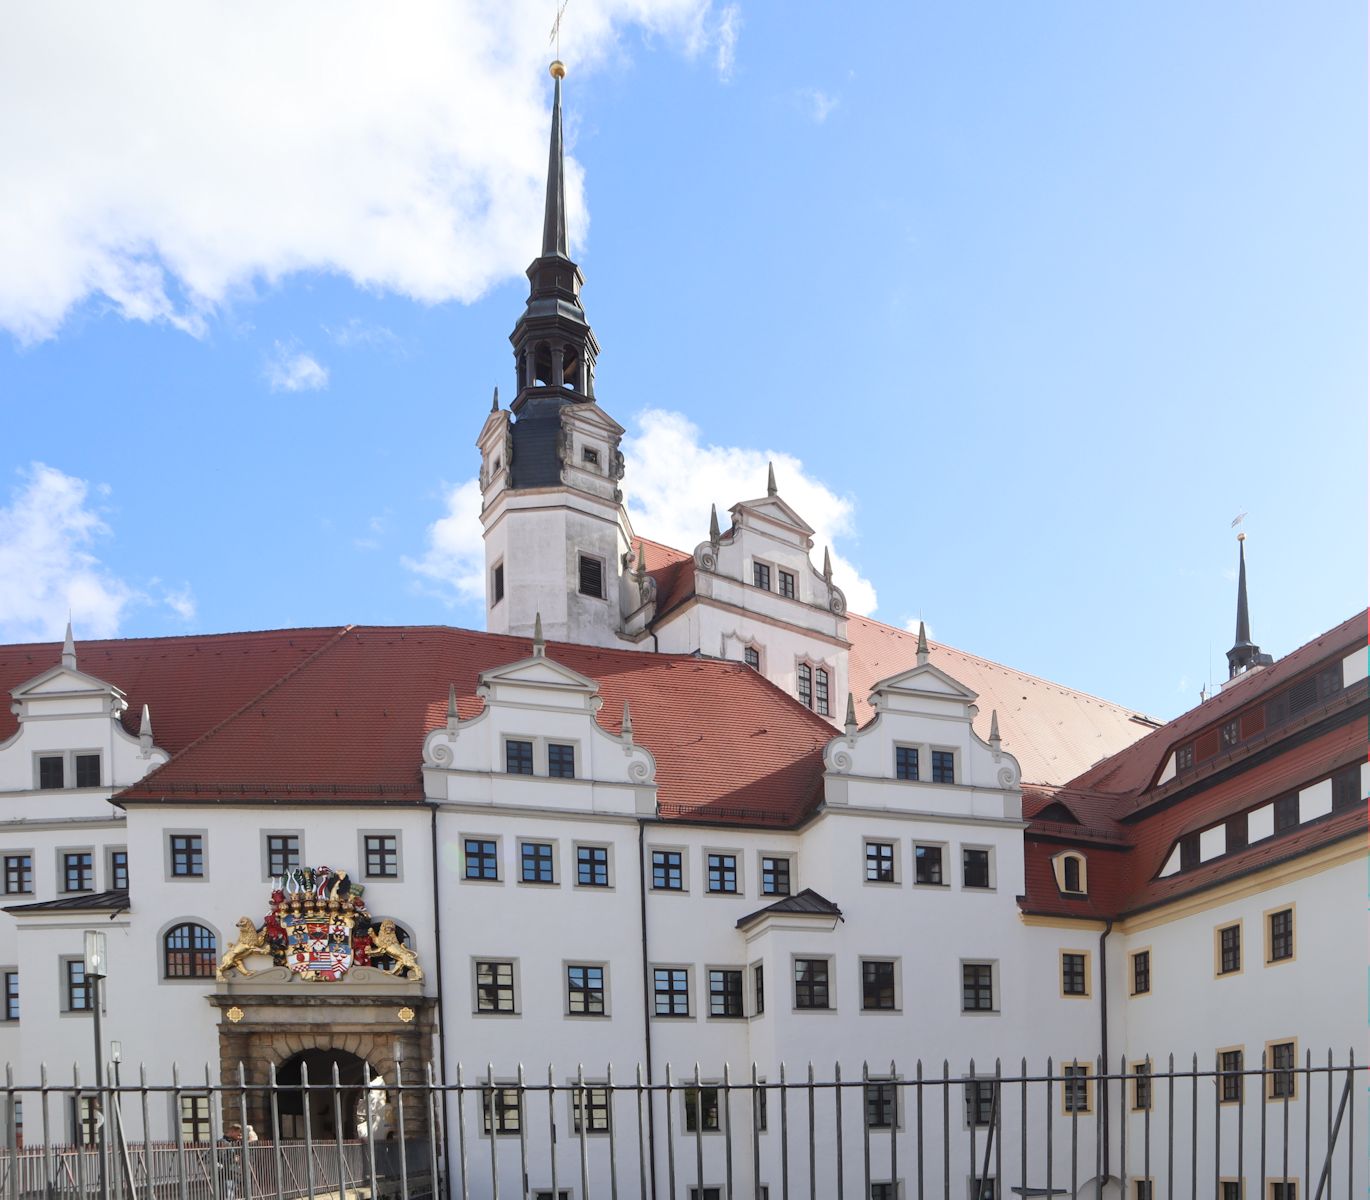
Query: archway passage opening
{"points": [[360, 1097]]}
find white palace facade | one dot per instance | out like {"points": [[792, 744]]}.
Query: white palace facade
{"points": [[673, 807]]}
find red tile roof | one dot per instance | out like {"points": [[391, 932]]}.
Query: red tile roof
{"points": [[1054, 732], [348, 725], [674, 573], [1116, 802]]}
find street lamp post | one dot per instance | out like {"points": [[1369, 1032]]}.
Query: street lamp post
{"points": [[96, 969]]}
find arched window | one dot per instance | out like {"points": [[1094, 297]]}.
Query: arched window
{"points": [[1070, 874], [190, 951], [806, 685]]}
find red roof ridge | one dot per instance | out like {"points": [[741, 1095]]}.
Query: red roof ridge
{"points": [[989, 662], [276, 683]]}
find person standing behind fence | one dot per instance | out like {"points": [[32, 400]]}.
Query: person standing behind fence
{"points": [[232, 1156]]}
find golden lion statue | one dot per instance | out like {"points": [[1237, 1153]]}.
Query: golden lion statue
{"points": [[385, 942], [250, 941]]}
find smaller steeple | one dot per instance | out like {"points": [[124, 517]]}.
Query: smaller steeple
{"points": [[69, 649], [922, 644], [851, 714], [827, 564], [1244, 654], [627, 729], [145, 733], [994, 740], [715, 534], [770, 479], [452, 718], [494, 404], [539, 645]]}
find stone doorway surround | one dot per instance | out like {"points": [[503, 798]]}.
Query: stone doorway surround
{"points": [[273, 1015]]}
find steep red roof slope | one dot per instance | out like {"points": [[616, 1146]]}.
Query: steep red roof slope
{"points": [[189, 684], [349, 723]]}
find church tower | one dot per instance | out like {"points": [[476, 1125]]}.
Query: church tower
{"points": [[557, 538]]}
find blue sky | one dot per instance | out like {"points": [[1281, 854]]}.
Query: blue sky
{"points": [[1026, 301]]}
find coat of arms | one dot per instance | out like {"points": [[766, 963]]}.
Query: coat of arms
{"points": [[318, 926]]}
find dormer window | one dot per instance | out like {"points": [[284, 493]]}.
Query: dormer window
{"points": [[1070, 873], [787, 585], [589, 456], [58, 771], [761, 576]]}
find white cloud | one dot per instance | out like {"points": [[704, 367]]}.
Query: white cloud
{"points": [[455, 557], [817, 103], [181, 601], [400, 146], [46, 564], [671, 480], [292, 370], [356, 333]]}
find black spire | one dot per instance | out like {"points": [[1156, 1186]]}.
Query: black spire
{"points": [[554, 346], [1244, 654], [554, 241]]}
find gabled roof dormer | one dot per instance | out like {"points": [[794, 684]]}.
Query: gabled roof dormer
{"points": [[537, 744]]}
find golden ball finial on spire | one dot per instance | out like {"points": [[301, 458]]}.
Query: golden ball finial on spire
{"points": [[557, 69]]}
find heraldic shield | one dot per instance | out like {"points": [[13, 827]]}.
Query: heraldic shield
{"points": [[318, 947]]}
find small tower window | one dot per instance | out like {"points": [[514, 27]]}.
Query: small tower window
{"points": [[752, 657], [497, 584], [591, 577], [590, 456]]}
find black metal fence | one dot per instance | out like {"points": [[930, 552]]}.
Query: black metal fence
{"points": [[1224, 1130]]}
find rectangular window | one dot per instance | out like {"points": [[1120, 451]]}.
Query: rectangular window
{"points": [[195, 1127], [536, 863], [1075, 1089], [77, 991], [725, 993], [877, 985], [975, 868], [667, 872], [11, 995], [187, 855], [775, 876], [585, 990], [671, 991], [820, 684], [811, 983], [804, 684], [882, 1104], [879, 862], [762, 1116], [592, 866], [1074, 974], [722, 872], [1346, 788], [1230, 1189], [752, 657], [594, 1102], [1141, 973], [787, 584], [927, 864], [495, 987], [707, 1193], [979, 1102], [561, 761], [87, 770], [884, 1191], [482, 859], [943, 766], [1184, 757], [497, 584], [118, 870], [761, 575], [1229, 949], [282, 853], [906, 762], [759, 988], [518, 757], [1230, 1076], [977, 987], [984, 1189], [1280, 944], [1142, 1190], [382, 854], [701, 1114], [1283, 1081], [18, 874], [1141, 1086], [1286, 812], [1237, 837], [1189, 852], [591, 577], [78, 871], [500, 1107], [1230, 733], [51, 772], [589, 455], [1284, 1189]]}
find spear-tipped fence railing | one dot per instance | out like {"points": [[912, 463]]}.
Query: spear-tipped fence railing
{"points": [[1216, 1130]]}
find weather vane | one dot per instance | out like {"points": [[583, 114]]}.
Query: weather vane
{"points": [[1236, 521], [554, 38]]}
